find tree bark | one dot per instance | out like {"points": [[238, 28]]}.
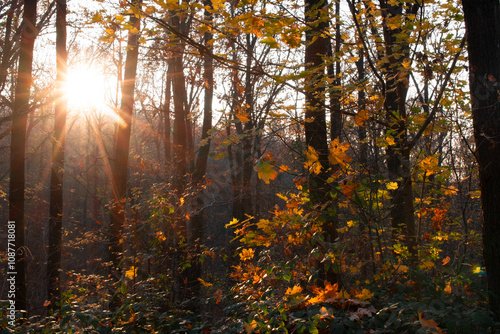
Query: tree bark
{"points": [[334, 71], [122, 144], [482, 23], [398, 160], [315, 123], [18, 146], [57, 173], [197, 224]]}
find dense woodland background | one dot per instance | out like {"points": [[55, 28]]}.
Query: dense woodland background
{"points": [[259, 166]]}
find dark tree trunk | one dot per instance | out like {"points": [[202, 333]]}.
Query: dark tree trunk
{"points": [[315, 123], [122, 145], [363, 146], [336, 113], [482, 23], [18, 146], [398, 160], [166, 119], [56, 179], [197, 224]]}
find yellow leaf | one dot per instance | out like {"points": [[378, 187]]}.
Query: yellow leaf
{"points": [[265, 171], [205, 284], [269, 40], [284, 168], [406, 63], [344, 295], [451, 190], [337, 154], [233, 222], [447, 289], [364, 295], [131, 273], [390, 140], [392, 185], [249, 328], [293, 291], [312, 161], [247, 254]]}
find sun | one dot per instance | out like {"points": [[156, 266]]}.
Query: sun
{"points": [[85, 90]]}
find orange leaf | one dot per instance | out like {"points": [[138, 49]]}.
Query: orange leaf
{"points": [[429, 323], [243, 118], [348, 189], [337, 153]]}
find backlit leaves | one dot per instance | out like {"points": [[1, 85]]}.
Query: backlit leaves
{"points": [[247, 254], [338, 155], [265, 171], [312, 161]]}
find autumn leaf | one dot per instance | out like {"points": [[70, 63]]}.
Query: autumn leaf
{"points": [[265, 171], [243, 118], [131, 273], [391, 185], [205, 284], [390, 140], [250, 327], [160, 236], [364, 295], [269, 40], [344, 295], [349, 188], [428, 265], [446, 261], [406, 63], [293, 291], [284, 168], [361, 117], [447, 289], [429, 323], [247, 254], [312, 161], [328, 294], [337, 154]]}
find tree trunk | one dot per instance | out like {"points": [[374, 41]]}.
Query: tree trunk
{"points": [[56, 179], [197, 224], [122, 144], [398, 160], [335, 113], [166, 119], [482, 23], [18, 146], [315, 123]]}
